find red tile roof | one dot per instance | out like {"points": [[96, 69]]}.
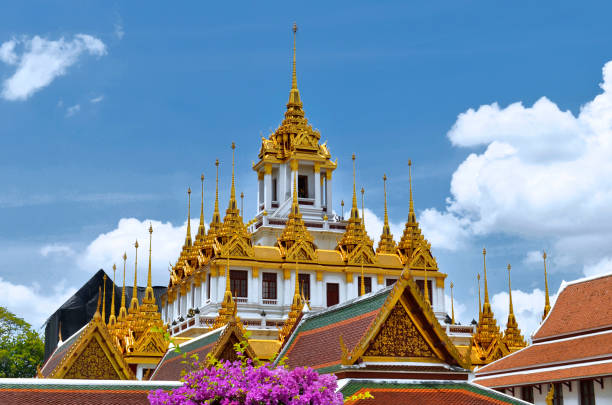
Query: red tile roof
{"points": [[581, 305], [547, 375], [76, 392], [560, 351], [424, 393]]}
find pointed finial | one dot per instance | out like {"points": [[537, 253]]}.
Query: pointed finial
{"points": [[233, 189], [547, 298], [104, 299], [294, 75], [511, 310], [386, 219], [97, 313], [216, 215], [452, 304], [362, 209], [122, 310], [188, 236], [354, 211], [411, 214], [134, 301], [241, 204], [486, 287], [479, 300], [112, 318], [149, 285], [342, 205], [201, 227]]}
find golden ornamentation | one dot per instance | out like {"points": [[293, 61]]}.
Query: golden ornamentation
{"points": [[92, 364], [228, 306], [399, 338], [297, 306], [547, 298], [512, 335], [356, 246], [386, 243]]}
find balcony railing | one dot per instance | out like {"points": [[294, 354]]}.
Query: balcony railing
{"points": [[241, 300], [269, 302]]}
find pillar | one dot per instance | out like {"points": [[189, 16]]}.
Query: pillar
{"points": [[317, 185], [267, 187], [328, 193], [294, 170]]}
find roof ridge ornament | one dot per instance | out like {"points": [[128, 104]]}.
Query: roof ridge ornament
{"points": [[547, 297]]}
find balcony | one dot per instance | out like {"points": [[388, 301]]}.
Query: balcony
{"points": [[269, 302]]}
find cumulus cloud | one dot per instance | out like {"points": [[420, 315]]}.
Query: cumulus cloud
{"points": [[56, 249], [33, 302], [42, 60], [544, 174], [107, 248], [604, 266], [528, 309], [70, 111]]}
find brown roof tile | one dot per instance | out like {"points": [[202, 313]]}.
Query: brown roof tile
{"points": [[582, 305], [570, 373], [563, 351]]}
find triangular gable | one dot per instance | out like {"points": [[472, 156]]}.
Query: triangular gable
{"points": [[224, 348], [405, 329], [422, 259], [302, 251], [150, 345], [92, 355]]}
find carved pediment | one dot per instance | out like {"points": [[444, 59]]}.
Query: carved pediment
{"points": [[92, 364], [302, 251], [362, 254], [399, 337]]}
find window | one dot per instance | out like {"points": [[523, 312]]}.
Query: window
{"points": [[368, 285], [302, 186], [527, 394], [269, 286], [587, 394], [304, 280], [239, 283], [390, 281], [208, 286], [333, 294], [274, 190], [421, 283], [558, 395]]}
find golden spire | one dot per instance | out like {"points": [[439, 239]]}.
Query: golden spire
{"points": [[228, 290], [97, 313], [452, 304], [297, 306], [112, 319], [295, 237], [134, 302], [216, 214], [386, 244], [363, 291], [188, 241], [547, 298], [233, 189], [411, 214], [149, 297], [486, 287], [215, 225], [104, 299], [355, 238], [426, 287], [479, 300], [512, 335], [241, 204], [201, 228], [487, 331], [294, 95], [122, 310], [228, 305]]}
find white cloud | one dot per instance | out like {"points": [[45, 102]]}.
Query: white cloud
{"points": [[604, 266], [96, 99], [42, 60], [108, 248], [33, 303], [528, 309], [56, 249], [544, 174], [119, 32], [70, 111]]}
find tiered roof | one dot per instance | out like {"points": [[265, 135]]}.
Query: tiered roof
{"points": [[573, 342]]}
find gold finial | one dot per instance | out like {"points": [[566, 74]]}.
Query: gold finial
{"points": [[294, 75], [97, 313], [188, 236], [386, 219], [486, 287], [511, 311], [233, 189], [342, 205], [241, 204], [452, 304], [113, 319], [134, 301], [201, 228], [547, 298], [104, 299], [479, 300], [386, 244], [411, 214], [216, 214], [362, 209], [354, 211], [122, 310]]}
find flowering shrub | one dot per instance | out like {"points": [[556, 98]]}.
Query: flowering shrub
{"points": [[243, 383]]}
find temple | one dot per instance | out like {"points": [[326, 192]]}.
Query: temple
{"points": [[296, 281]]}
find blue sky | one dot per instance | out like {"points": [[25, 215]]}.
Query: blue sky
{"points": [[126, 103]]}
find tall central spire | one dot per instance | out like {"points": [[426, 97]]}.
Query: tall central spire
{"points": [[149, 297], [122, 310], [486, 287], [201, 228], [294, 95], [134, 302], [411, 214], [386, 244]]}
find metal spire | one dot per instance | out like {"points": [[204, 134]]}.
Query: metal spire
{"points": [[134, 302], [112, 318], [452, 304], [104, 299], [547, 298]]}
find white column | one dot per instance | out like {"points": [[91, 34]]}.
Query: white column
{"points": [[254, 287], [329, 193], [267, 187], [287, 293], [294, 169], [317, 186]]}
